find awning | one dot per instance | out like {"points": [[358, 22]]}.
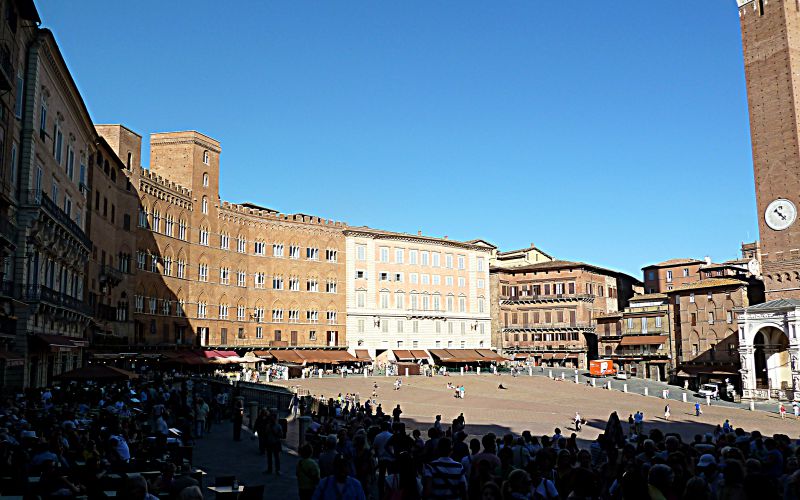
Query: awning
{"points": [[97, 372], [403, 355], [457, 355], [264, 354], [287, 356], [490, 355], [521, 356], [11, 359], [363, 355], [59, 341], [643, 339], [419, 354], [548, 355], [441, 354]]}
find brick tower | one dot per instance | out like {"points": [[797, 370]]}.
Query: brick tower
{"points": [[771, 43]]}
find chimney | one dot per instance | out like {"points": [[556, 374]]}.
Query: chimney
{"points": [[445, 236], [533, 245], [419, 233], [708, 260]]}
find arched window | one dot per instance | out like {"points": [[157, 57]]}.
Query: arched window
{"points": [[204, 205], [205, 179], [205, 157]]}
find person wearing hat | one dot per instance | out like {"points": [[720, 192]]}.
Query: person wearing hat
{"points": [[707, 470]]}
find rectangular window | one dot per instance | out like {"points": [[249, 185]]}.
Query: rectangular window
{"points": [[277, 249], [461, 262], [691, 298], [423, 258], [181, 269], [398, 277], [312, 253], [413, 278], [658, 321], [435, 259], [412, 257], [260, 279], [426, 279], [462, 282], [669, 276], [480, 283], [644, 325], [259, 247], [384, 254], [259, 332], [693, 318], [361, 274], [20, 93], [480, 263], [398, 255], [203, 272], [294, 252], [361, 252], [182, 230], [294, 284], [13, 163], [331, 255], [224, 275], [448, 261], [729, 317], [241, 278], [224, 241], [277, 283]]}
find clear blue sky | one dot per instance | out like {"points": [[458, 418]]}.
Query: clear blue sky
{"points": [[613, 133]]}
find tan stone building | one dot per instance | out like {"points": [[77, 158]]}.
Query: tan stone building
{"points": [[549, 310], [111, 276], [213, 273], [639, 338], [664, 276], [704, 317], [414, 292]]}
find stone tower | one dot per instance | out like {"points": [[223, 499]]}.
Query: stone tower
{"points": [[771, 43]]}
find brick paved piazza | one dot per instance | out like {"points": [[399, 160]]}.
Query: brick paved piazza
{"points": [[539, 404]]}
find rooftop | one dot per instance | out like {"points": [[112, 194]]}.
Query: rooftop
{"points": [[474, 244], [775, 304], [648, 296], [709, 283], [563, 264], [675, 262]]}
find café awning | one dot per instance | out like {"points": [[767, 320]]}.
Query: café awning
{"points": [[363, 355], [403, 355], [490, 355], [643, 340], [419, 354]]}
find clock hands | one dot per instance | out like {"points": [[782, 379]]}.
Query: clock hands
{"points": [[778, 211]]}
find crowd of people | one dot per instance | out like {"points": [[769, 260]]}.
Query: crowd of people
{"points": [[352, 452], [85, 439]]}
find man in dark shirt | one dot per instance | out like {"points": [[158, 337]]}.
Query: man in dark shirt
{"points": [[396, 413], [400, 441]]}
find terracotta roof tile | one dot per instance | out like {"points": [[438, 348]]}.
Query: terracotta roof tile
{"points": [[708, 283]]}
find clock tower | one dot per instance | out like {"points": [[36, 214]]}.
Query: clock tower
{"points": [[771, 44]]}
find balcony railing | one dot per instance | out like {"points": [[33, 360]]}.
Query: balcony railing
{"points": [[549, 326], [111, 274], [41, 293], [558, 297], [55, 212], [8, 230]]}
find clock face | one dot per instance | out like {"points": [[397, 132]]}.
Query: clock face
{"points": [[780, 214], [754, 267]]}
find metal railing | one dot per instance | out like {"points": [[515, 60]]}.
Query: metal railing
{"points": [[110, 273], [61, 217], [549, 297], [549, 326], [41, 293]]}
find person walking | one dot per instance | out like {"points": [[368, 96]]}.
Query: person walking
{"points": [[666, 412], [782, 411], [577, 420], [697, 410], [238, 418], [200, 415], [274, 444]]}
